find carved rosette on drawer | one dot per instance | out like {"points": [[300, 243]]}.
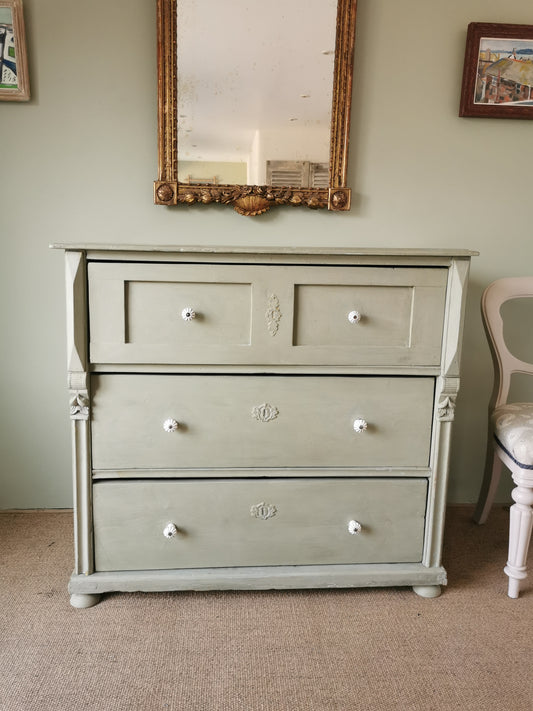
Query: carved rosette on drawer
{"points": [[265, 412], [263, 511]]}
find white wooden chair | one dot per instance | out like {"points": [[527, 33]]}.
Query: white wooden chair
{"points": [[510, 436]]}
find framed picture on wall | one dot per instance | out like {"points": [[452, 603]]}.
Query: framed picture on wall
{"points": [[14, 84], [498, 71]]}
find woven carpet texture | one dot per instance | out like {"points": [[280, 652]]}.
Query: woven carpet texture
{"points": [[343, 650]]}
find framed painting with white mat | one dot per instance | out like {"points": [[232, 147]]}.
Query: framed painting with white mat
{"points": [[498, 71]]}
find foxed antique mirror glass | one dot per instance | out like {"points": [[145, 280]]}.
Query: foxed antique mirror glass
{"points": [[254, 102]]}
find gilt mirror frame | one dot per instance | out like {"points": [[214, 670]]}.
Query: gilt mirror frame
{"points": [[253, 199]]}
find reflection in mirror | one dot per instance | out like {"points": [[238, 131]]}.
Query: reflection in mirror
{"points": [[254, 102], [258, 91]]}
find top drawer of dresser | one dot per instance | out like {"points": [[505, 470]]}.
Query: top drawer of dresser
{"points": [[265, 314]]}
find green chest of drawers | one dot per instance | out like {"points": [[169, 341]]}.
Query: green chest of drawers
{"points": [[255, 419]]}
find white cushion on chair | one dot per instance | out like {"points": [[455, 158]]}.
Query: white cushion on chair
{"points": [[513, 428]]}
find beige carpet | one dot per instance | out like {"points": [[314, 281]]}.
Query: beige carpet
{"points": [[348, 650]]}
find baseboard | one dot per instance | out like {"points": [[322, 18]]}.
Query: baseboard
{"points": [[22, 511]]}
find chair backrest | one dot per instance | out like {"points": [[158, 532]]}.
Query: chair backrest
{"points": [[505, 363]]}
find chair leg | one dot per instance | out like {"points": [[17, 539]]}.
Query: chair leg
{"points": [[520, 526], [491, 479]]}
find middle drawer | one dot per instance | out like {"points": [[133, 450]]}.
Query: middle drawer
{"points": [[204, 421]]}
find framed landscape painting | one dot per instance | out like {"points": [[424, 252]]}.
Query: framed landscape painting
{"points": [[498, 71], [14, 84]]}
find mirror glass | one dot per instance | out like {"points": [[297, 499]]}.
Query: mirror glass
{"points": [[254, 91]]}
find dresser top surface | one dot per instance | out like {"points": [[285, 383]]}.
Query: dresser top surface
{"points": [[101, 249]]}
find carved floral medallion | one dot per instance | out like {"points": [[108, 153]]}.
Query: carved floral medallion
{"points": [[265, 412], [263, 511]]}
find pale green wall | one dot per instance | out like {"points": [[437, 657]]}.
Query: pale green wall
{"points": [[78, 162]]}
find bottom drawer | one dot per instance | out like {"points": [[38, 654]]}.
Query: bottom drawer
{"points": [[226, 523]]}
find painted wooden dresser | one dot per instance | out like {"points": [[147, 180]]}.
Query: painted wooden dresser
{"points": [[261, 418]]}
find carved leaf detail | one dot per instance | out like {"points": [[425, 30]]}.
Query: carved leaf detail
{"points": [[273, 314], [446, 408], [252, 200]]}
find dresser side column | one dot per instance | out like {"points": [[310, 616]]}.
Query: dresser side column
{"points": [[79, 403], [446, 390]]}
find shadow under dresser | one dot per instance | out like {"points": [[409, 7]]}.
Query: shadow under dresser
{"points": [[261, 418]]}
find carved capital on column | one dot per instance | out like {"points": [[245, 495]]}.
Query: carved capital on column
{"points": [[444, 411], [79, 405], [446, 399], [446, 408]]}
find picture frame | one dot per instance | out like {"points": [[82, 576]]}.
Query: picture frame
{"points": [[14, 82], [498, 71]]}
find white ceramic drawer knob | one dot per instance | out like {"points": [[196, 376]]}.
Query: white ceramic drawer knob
{"points": [[354, 527], [188, 314], [354, 317], [170, 530], [170, 425], [360, 425]]}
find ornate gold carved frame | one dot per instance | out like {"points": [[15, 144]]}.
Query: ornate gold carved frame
{"points": [[253, 199]]}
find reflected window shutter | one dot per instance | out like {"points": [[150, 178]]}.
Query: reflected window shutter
{"points": [[319, 175], [297, 174], [281, 173]]}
